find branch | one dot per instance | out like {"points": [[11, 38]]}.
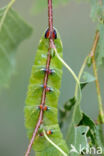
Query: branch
{"points": [[92, 54], [100, 1], [50, 16], [43, 98]]}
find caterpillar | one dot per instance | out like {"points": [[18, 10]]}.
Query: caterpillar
{"points": [[34, 97]]}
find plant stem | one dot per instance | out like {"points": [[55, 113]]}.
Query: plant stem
{"points": [[43, 98], [92, 54], [57, 147], [80, 74]]}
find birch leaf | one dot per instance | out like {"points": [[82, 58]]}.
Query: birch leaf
{"points": [[13, 30]]}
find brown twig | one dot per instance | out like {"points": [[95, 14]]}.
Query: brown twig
{"points": [[100, 1], [43, 98], [92, 54]]}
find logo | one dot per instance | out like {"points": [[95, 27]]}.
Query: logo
{"points": [[86, 150]]}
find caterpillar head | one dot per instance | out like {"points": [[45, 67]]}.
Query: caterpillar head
{"points": [[48, 34]]}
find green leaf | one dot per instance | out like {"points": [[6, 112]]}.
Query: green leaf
{"points": [[100, 137], [86, 78], [67, 107], [100, 46], [78, 140], [95, 133], [13, 30], [86, 121], [77, 114], [76, 118], [97, 10], [97, 15]]}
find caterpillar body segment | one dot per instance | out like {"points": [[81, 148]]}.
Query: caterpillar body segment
{"points": [[33, 102]]}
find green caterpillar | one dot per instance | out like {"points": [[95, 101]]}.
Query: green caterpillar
{"points": [[32, 109]]}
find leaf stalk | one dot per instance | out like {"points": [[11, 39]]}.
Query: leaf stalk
{"points": [[52, 143], [68, 67]]}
